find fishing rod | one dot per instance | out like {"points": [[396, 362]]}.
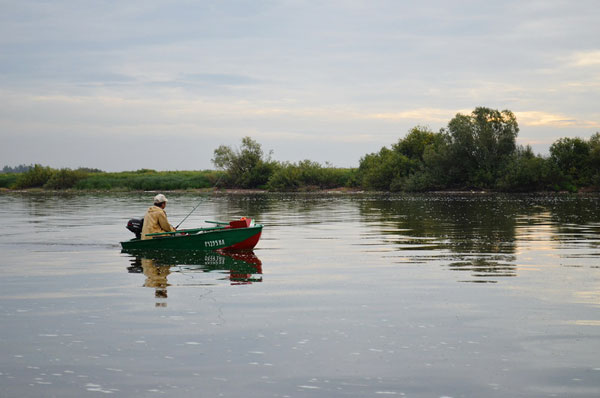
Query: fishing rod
{"points": [[219, 180], [189, 214]]}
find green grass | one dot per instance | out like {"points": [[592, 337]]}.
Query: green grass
{"points": [[150, 180], [83, 179], [8, 180]]}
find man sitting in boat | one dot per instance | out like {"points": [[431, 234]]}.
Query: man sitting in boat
{"points": [[155, 219]]}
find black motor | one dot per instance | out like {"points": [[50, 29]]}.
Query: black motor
{"points": [[135, 225]]}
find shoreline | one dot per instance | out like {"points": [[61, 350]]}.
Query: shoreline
{"points": [[332, 191]]}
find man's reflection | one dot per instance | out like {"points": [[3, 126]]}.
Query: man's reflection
{"points": [[156, 277], [242, 267]]}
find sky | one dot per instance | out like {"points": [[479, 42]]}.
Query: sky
{"points": [[124, 85]]}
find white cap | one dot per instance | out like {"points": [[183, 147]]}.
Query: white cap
{"points": [[160, 198]]}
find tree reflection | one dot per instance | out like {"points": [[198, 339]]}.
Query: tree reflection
{"points": [[576, 220], [474, 233], [479, 233]]}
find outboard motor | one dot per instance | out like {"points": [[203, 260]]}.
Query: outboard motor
{"points": [[135, 225]]}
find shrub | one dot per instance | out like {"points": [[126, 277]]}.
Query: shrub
{"points": [[525, 172], [308, 174], [36, 177], [246, 167], [7, 180], [379, 171], [150, 180], [64, 179]]}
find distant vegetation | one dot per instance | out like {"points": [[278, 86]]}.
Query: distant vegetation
{"points": [[479, 151], [248, 167], [307, 175], [17, 169], [147, 180], [85, 179], [476, 151]]}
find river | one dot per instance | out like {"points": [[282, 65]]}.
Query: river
{"points": [[346, 295]]}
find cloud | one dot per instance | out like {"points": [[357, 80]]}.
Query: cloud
{"points": [[539, 118], [422, 115], [585, 58], [295, 73]]}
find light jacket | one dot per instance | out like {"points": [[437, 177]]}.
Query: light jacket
{"points": [[155, 221]]}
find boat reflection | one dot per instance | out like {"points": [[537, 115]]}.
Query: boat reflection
{"points": [[239, 268]]}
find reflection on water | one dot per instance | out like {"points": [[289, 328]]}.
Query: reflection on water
{"points": [[480, 234], [237, 267], [361, 298], [472, 234]]}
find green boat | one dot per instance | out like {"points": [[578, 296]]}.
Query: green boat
{"points": [[241, 234]]}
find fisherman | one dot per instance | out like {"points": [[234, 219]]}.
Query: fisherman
{"points": [[155, 219]]}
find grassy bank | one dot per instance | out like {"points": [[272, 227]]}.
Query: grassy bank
{"points": [[40, 177], [306, 176]]}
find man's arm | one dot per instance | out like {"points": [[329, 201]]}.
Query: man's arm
{"points": [[164, 223]]}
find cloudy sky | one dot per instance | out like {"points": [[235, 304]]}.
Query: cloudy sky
{"points": [[123, 85]]}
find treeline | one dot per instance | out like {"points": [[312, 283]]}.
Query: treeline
{"points": [[476, 151], [42, 177], [22, 168], [305, 175], [248, 167], [479, 151]]}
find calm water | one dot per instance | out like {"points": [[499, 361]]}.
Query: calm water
{"points": [[345, 296]]}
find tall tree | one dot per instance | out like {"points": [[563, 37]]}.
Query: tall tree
{"points": [[246, 167], [482, 143], [416, 141], [571, 156]]}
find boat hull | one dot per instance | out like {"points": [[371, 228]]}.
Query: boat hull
{"points": [[223, 239]]}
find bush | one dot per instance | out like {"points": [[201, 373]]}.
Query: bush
{"points": [[571, 156], [64, 179], [286, 178], [149, 180], [7, 180], [36, 177], [307, 175], [385, 170], [246, 167], [416, 182], [525, 172]]}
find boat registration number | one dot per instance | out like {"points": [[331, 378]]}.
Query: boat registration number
{"points": [[214, 243], [214, 260]]}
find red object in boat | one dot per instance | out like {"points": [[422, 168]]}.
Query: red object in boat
{"points": [[241, 223]]}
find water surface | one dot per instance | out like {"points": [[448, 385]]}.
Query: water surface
{"points": [[345, 296]]}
